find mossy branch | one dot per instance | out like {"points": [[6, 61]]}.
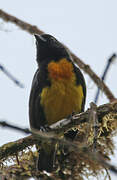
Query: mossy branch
{"points": [[59, 128], [63, 125]]}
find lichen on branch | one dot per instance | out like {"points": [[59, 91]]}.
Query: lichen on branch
{"points": [[80, 159]]}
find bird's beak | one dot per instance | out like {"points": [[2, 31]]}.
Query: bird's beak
{"points": [[39, 38]]}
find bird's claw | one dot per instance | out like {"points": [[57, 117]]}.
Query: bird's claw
{"points": [[45, 128]]}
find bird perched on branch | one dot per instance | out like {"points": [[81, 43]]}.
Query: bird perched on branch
{"points": [[58, 90]]}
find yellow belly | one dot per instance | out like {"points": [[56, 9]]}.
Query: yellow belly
{"points": [[61, 99]]}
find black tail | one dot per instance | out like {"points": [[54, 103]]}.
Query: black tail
{"points": [[46, 160], [47, 153]]}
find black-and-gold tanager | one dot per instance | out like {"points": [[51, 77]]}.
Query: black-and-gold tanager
{"points": [[58, 90]]}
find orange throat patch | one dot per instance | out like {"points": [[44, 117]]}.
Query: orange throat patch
{"points": [[61, 70]]}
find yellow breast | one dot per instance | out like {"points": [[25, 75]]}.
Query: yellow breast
{"points": [[63, 96]]}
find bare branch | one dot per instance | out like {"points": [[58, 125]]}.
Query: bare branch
{"points": [[86, 68], [23, 25], [109, 62], [10, 76], [5, 124]]}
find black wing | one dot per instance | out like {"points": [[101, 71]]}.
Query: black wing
{"points": [[36, 113], [80, 80]]}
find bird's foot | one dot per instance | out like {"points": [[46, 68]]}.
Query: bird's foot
{"points": [[45, 128]]}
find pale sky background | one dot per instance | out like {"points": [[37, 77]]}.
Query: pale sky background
{"points": [[88, 28]]}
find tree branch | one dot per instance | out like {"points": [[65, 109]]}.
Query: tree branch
{"points": [[23, 25], [65, 124], [109, 62], [59, 128], [10, 76], [23, 143], [3, 123], [86, 68]]}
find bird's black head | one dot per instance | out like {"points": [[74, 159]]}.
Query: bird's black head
{"points": [[49, 48]]}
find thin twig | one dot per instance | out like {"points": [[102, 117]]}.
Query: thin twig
{"points": [[109, 62], [34, 30], [5, 124], [107, 175], [10, 76]]}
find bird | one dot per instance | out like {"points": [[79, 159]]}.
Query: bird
{"points": [[58, 89]]}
